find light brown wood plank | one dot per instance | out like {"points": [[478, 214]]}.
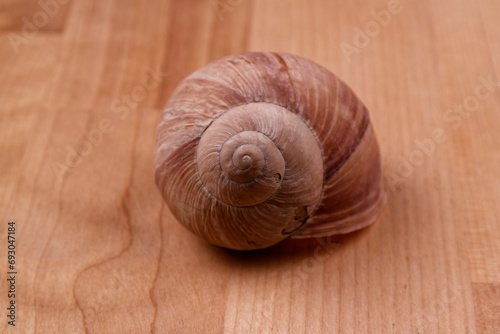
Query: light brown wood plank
{"points": [[99, 252], [486, 296]]}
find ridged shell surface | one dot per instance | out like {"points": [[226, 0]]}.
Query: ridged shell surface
{"points": [[256, 147]]}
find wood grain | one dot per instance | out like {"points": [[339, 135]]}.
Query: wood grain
{"points": [[97, 251]]}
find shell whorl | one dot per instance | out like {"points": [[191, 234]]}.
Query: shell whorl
{"points": [[257, 147], [243, 155]]}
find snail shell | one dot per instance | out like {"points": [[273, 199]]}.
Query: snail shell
{"points": [[256, 147]]}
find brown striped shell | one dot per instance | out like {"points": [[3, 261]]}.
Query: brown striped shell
{"points": [[256, 147]]}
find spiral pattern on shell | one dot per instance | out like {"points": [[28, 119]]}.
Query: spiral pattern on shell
{"points": [[257, 147]]}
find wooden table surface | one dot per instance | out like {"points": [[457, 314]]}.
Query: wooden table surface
{"points": [[83, 85]]}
